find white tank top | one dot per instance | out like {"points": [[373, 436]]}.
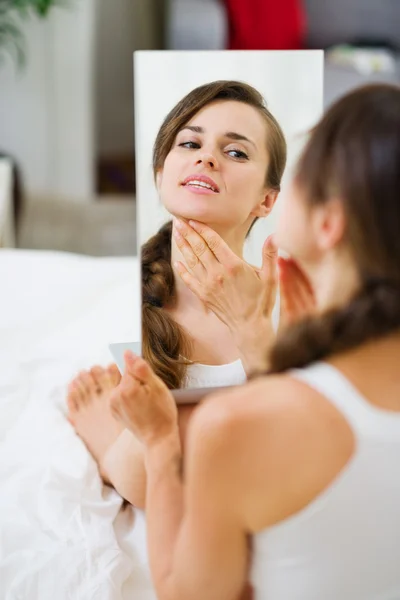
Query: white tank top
{"points": [[345, 545], [199, 375]]}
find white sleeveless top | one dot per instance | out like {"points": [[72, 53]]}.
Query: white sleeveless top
{"points": [[345, 545], [199, 375]]}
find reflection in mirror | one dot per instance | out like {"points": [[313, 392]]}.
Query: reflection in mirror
{"points": [[217, 134]]}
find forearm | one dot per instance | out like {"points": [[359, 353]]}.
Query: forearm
{"points": [[164, 510]]}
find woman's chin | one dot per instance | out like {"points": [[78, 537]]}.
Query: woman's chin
{"points": [[202, 216]]}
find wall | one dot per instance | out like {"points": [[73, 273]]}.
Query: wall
{"points": [[348, 20], [115, 25], [123, 26], [46, 111], [291, 82]]}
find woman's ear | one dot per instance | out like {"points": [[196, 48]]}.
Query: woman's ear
{"points": [[329, 224], [264, 208]]}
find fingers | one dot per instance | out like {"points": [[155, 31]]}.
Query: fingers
{"points": [[297, 298], [137, 369], [289, 309], [215, 244], [127, 389], [269, 271], [291, 292], [193, 246], [269, 261], [297, 272], [296, 282], [269, 250], [130, 363], [142, 401], [192, 253], [192, 283]]}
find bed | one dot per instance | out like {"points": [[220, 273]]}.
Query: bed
{"points": [[62, 533]]}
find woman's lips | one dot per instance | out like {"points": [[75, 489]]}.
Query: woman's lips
{"points": [[201, 184], [199, 190]]}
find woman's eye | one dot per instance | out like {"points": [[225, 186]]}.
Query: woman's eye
{"points": [[238, 154], [189, 144]]}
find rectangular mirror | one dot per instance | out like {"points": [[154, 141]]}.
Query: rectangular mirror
{"points": [[206, 151]]}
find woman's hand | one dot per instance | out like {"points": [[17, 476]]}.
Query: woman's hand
{"points": [[297, 299], [144, 403], [240, 295]]}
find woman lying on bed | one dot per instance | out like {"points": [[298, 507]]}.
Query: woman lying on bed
{"points": [[306, 460], [208, 324]]}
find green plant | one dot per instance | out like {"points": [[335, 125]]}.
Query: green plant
{"points": [[12, 40]]}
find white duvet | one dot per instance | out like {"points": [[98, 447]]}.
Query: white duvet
{"points": [[62, 533]]}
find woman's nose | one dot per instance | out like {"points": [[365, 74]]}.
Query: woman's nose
{"points": [[207, 159]]}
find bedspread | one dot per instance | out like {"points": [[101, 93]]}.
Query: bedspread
{"points": [[62, 533]]}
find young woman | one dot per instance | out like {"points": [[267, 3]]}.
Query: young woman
{"points": [[305, 461], [218, 160]]}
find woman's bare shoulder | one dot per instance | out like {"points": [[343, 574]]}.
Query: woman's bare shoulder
{"points": [[270, 395], [282, 404], [282, 435]]}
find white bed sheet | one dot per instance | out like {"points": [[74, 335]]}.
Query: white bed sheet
{"points": [[62, 533]]}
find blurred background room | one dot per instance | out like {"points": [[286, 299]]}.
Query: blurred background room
{"points": [[67, 155]]}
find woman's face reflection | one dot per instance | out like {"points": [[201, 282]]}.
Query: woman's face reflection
{"points": [[216, 170]]}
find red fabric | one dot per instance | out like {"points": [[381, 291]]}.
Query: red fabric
{"points": [[265, 24]]}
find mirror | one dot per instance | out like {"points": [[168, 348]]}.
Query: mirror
{"points": [[219, 162]]}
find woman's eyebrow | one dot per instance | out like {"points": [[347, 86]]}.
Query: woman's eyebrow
{"points": [[239, 137], [193, 128], [232, 135]]}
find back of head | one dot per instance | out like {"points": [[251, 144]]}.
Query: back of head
{"points": [[353, 155]]}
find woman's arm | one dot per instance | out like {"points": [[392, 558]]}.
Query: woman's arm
{"points": [[245, 456], [240, 295], [196, 537], [204, 543]]}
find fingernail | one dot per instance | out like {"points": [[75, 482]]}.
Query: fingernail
{"points": [[193, 224], [178, 224]]}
